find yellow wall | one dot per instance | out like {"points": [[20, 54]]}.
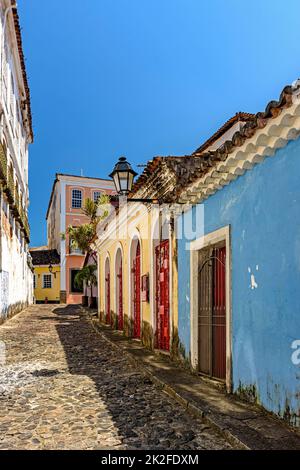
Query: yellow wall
{"points": [[141, 222], [52, 294]]}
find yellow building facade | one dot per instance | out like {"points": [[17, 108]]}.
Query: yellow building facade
{"points": [[46, 280], [46, 284], [137, 282]]}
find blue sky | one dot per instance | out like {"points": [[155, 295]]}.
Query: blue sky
{"points": [[145, 77]]}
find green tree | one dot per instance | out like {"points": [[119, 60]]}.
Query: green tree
{"points": [[81, 237], [87, 275]]}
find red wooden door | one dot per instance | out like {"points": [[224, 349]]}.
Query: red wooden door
{"points": [[137, 293], [107, 303], [162, 296], [120, 298]]}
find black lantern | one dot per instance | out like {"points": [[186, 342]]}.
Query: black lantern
{"points": [[123, 176], [51, 270]]}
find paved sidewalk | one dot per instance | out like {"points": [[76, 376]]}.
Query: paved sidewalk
{"points": [[243, 424]]}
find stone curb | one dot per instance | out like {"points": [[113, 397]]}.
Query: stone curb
{"points": [[192, 408]]}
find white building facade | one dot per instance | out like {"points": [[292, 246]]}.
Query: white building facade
{"points": [[16, 279]]}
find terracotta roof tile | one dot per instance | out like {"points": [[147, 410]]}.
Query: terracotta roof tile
{"points": [[238, 117], [44, 257]]}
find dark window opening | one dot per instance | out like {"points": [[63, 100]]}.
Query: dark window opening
{"points": [[73, 287]]}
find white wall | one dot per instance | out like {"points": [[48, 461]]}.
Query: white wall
{"points": [[16, 280]]}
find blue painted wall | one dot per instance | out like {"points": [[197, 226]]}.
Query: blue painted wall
{"points": [[263, 209]]}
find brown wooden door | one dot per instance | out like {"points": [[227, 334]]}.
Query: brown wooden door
{"points": [[204, 310], [212, 312]]}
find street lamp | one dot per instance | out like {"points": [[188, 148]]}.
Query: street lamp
{"points": [[123, 176], [51, 269]]}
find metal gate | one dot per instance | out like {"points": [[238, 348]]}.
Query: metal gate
{"points": [[136, 271], [212, 312], [120, 299], [162, 296], [107, 303]]}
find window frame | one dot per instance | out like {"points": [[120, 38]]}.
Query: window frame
{"points": [[79, 292], [74, 199], [99, 195], [49, 275], [212, 238]]}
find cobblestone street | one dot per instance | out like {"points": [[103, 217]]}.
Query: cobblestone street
{"points": [[64, 387]]}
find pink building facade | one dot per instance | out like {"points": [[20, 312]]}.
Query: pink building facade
{"points": [[65, 209]]}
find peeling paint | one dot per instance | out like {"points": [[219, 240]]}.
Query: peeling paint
{"points": [[254, 284]]}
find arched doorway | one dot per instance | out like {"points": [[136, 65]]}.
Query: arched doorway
{"points": [[119, 290], [107, 291], [136, 287]]}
